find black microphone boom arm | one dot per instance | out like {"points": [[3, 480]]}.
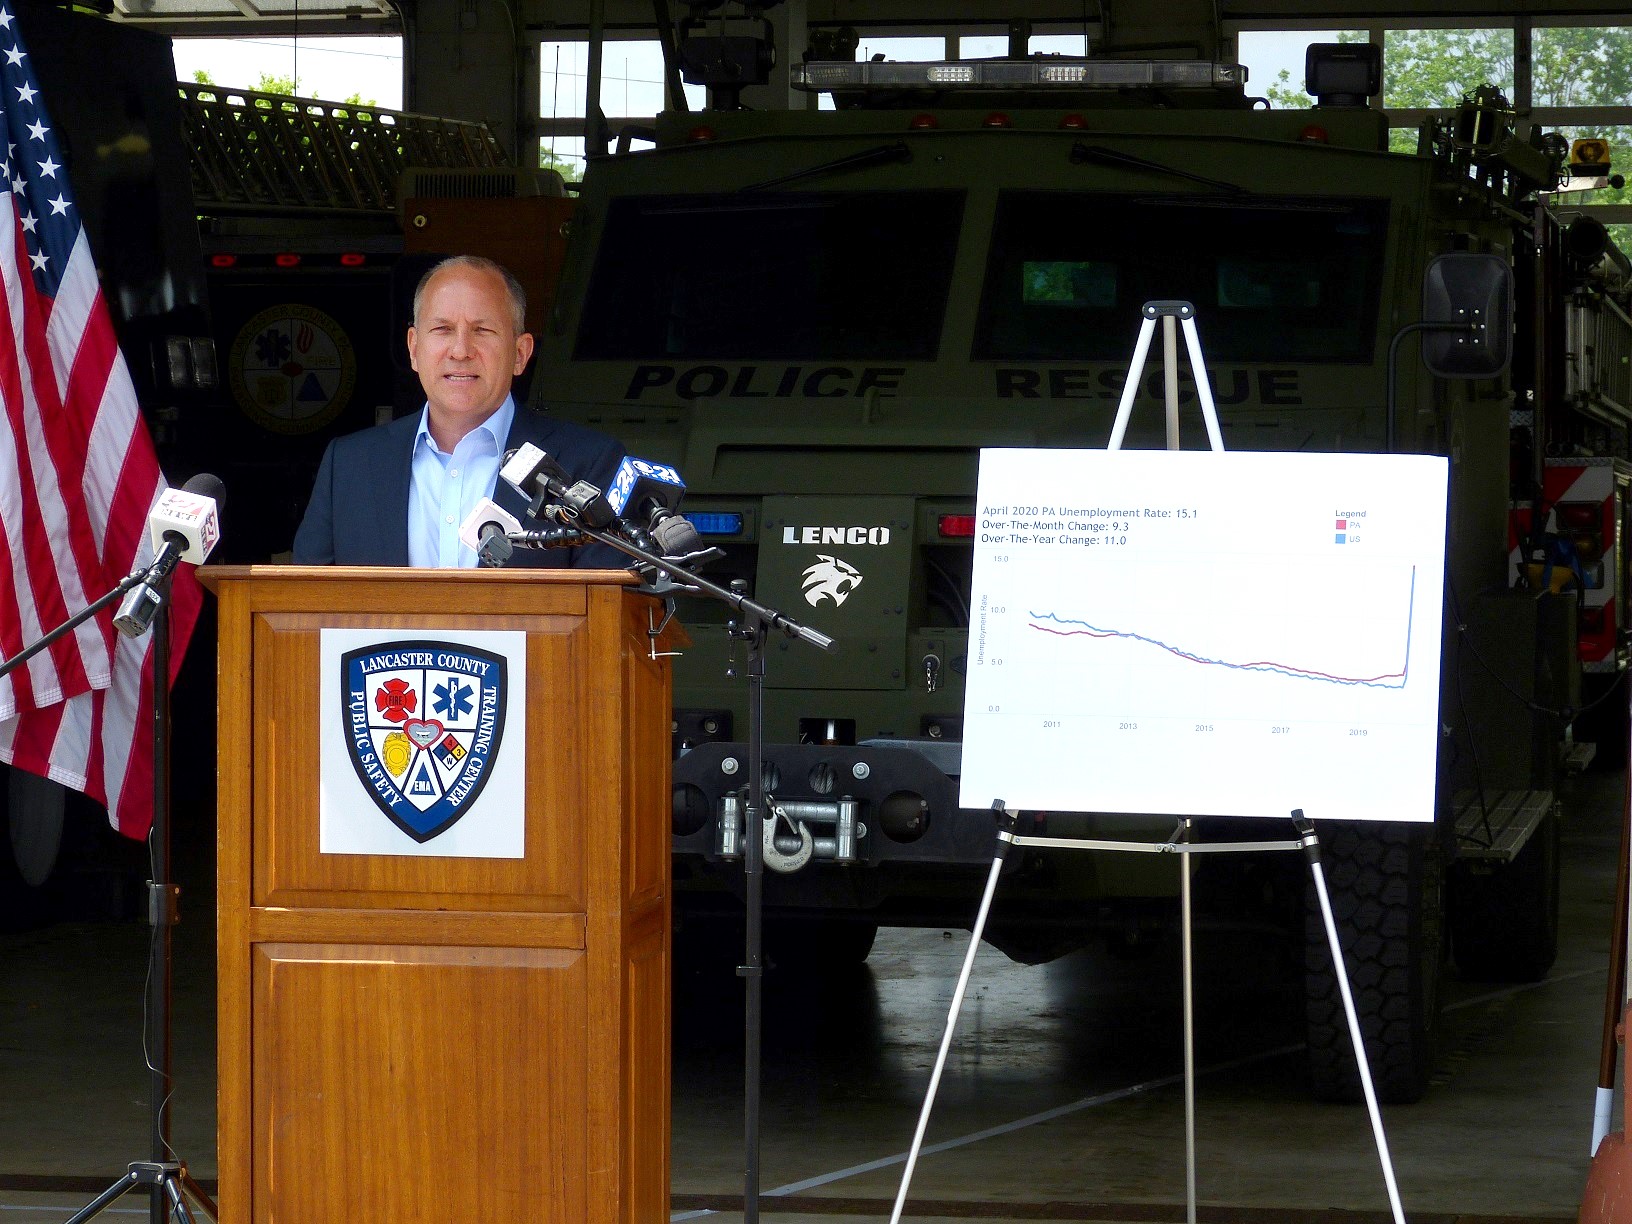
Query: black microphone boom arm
{"points": [[691, 584]]}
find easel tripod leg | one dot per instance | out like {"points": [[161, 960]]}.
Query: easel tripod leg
{"points": [[1187, 922], [975, 933], [1311, 846]]}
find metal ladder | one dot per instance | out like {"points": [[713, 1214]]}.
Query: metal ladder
{"points": [[258, 152]]}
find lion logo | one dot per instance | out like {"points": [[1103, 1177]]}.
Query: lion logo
{"points": [[830, 578]]}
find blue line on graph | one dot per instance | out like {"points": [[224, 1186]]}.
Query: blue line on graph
{"points": [[1391, 680]]}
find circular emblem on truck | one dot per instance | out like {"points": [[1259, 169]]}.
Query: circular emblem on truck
{"points": [[292, 368]]}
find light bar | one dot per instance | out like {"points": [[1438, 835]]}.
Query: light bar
{"points": [[825, 75], [714, 522]]}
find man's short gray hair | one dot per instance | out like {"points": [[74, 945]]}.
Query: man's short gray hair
{"points": [[479, 263]]}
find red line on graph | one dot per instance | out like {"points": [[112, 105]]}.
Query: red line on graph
{"points": [[1260, 665]]}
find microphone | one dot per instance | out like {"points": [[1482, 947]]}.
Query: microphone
{"points": [[548, 537], [189, 518], [538, 477], [184, 525], [647, 494], [486, 529]]}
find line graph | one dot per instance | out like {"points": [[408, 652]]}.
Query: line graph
{"points": [[1393, 680], [1206, 633]]}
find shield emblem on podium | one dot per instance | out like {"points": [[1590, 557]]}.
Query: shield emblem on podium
{"points": [[423, 723]]}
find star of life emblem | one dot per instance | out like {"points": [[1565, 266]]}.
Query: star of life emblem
{"points": [[423, 722]]}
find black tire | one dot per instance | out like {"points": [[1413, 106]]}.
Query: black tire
{"points": [[1386, 884], [1605, 723], [827, 945], [1504, 917], [712, 944]]}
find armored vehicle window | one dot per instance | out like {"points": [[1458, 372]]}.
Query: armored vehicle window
{"points": [[843, 275], [1272, 279]]}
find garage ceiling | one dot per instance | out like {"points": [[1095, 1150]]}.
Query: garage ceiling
{"points": [[386, 16], [205, 17]]}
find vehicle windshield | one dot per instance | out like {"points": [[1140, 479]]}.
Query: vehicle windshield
{"points": [[789, 277], [1271, 279]]}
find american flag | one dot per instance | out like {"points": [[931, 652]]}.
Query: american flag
{"points": [[78, 476]]}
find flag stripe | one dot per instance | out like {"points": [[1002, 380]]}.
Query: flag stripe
{"points": [[36, 734], [77, 306], [18, 621], [67, 436]]}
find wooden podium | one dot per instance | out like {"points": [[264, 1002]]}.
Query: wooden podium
{"points": [[405, 1037]]}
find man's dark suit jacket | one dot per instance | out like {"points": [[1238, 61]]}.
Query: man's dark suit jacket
{"points": [[358, 514]]}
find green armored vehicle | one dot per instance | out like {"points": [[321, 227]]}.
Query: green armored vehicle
{"points": [[820, 317]]}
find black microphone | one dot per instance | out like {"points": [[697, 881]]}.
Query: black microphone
{"points": [[535, 475], [646, 494], [495, 548], [486, 529], [184, 525]]}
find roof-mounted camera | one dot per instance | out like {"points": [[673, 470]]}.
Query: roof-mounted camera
{"points": [[726, 52]]}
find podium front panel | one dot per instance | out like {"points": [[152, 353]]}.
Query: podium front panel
{"points": [[291, 869], [359, 1124]]}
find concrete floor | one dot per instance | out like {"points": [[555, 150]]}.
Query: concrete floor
{"points": [[1061, 1101]]}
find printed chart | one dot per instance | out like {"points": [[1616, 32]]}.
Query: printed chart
{"points": [[1193, 633]]}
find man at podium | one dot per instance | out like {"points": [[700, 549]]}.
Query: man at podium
{"points": [[396, 494]]}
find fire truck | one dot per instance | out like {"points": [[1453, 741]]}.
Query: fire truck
{"points": [[821, 316]]}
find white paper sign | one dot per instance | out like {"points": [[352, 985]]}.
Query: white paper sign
{"points": [[423, 737], [1197, 633]]}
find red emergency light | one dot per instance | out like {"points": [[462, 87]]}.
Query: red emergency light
{"points": [[1579, 516]]}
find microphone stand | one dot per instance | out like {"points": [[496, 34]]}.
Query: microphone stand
{"points": [[755, 622], [125, 585], [169, 1186]]}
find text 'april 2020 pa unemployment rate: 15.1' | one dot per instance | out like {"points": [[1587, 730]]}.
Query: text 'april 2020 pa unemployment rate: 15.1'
{"points": [[1088, 527]]}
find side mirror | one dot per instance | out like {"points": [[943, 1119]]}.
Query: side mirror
{"points": [[1477, 291]]}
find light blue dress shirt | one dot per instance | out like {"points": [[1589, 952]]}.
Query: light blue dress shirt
{"points": [[444, 489]]}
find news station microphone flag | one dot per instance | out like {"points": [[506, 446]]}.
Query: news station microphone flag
{"points": [[78, 475]]}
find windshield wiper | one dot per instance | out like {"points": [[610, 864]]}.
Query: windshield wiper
{"points": [[1100, 155], [897, 152]]}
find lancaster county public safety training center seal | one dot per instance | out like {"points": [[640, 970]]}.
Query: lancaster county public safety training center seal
{"points": [[423, 722]]}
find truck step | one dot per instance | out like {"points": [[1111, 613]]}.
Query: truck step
{"points": [[1578, 758], [1498, 832]]}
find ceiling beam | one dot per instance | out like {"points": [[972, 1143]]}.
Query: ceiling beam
{"points": [[206, 18]]}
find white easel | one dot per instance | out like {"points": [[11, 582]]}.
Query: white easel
{"points": [[1173, 314]]}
